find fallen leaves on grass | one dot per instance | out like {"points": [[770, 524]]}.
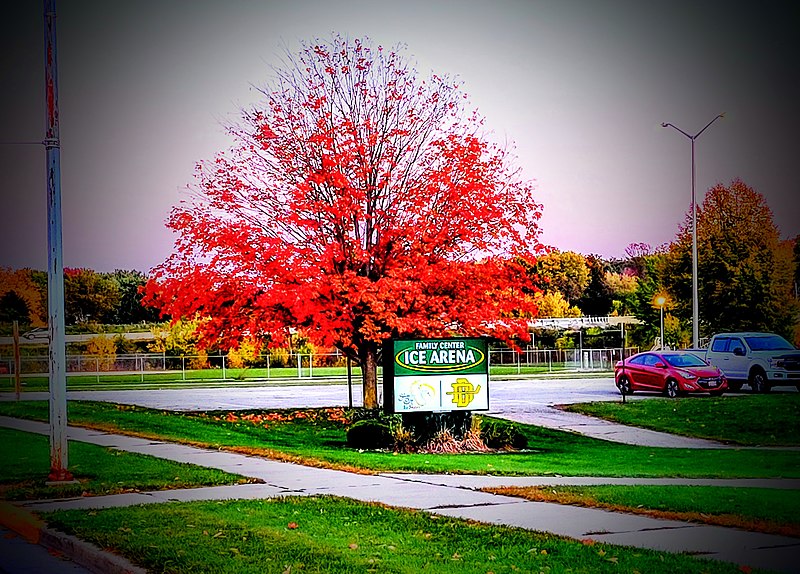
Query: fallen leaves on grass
{"points": [[332, 414], [548, 494]]}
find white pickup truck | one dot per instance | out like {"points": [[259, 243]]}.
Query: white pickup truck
{"points": [[762, 360]]}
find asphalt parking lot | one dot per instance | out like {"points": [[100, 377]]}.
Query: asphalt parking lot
{"points": [[505, 396]]}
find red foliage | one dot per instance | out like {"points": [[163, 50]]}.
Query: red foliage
{"points": [[359, 204], [330, 414]]}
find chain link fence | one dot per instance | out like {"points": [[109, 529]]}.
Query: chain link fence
{"points": [[293, 365]]}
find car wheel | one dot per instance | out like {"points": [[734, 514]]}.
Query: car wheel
{"points": [[624, 386], [758, 381], [672, 389], [735, 387]]}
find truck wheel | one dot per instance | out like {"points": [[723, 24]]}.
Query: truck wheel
{"points": [[758, 381], [672, 389]]}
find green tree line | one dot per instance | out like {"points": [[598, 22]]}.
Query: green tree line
{"points": [[748, 276], [90, 297], [748, 279]]}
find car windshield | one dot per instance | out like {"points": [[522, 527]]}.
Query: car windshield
{"points": [[769, 343], [684, 360]]}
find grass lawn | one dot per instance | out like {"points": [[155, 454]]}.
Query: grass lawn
{"points": [[771, 419], [321, 534], [767, 510], [318, 440], [99, 470]]}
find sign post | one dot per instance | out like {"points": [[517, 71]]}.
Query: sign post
{"points": [[436, 375], [17, 362]]}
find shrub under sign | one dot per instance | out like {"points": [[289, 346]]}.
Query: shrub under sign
{"points": [[436, 375]]}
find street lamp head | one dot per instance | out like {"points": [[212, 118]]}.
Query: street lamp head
{"points": [[661, 300]]}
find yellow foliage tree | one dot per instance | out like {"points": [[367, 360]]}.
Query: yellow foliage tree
{"points": [[180, 340], [565, 272], [104, 351], [553, 304], [21, 283], [243, 356], [623, 291]]}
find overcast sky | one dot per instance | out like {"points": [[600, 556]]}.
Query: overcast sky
{"points": [[580, 88]]}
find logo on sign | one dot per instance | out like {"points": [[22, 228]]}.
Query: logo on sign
{"points": [[463, 392]]}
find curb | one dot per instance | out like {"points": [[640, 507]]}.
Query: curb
{"points": [[87, 555], [35, 530], [24, 523]]}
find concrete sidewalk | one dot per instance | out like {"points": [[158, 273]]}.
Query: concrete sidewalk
{"points": [[554, 418], [455, 496]]}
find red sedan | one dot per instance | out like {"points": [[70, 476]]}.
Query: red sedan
{"points": [[669, 372]]}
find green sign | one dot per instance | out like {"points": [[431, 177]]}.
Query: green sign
{"points": [[431, 375]]}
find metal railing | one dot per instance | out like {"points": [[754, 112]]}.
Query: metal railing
{"points": [[560, 359]]}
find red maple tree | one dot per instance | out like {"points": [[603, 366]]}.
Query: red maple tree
{"points": [[358, 203]]}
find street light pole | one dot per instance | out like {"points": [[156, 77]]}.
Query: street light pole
{"points": [[695, 305]]}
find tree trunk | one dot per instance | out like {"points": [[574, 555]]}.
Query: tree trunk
{"points": [[369, 376]]}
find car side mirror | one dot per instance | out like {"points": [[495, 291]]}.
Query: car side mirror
{"points": [[660, 365], [739, 352]]}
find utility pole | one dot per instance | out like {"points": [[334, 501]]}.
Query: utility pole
{"points": [[55, 264]]}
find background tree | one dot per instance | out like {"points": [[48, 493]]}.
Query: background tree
{"points": [[13, 308], [796, 287], [358, 203], [796, 259], [130, 308], [104, 352], [553, 304], [744, 274], [636, 258], [89, 296], [622, 289], [648, 286], [245, 355], [21, 298], [180, 339], [596, 300], [565, 272]]}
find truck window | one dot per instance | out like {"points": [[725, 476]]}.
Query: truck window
{"points": [[769, 343], [735, 344], [720, 345]]}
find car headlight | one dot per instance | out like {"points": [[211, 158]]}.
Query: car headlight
{"points": [[776, 362], [687, 375]]}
